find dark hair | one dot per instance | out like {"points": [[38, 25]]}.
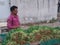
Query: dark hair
{"points": [[12, 8]]}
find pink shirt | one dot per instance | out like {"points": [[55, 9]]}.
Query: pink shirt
{"points": [[13, 21]]}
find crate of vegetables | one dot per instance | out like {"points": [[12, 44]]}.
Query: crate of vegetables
{"points": [[31, 35]]}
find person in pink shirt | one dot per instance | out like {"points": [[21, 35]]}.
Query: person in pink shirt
{"points": [[13, 20]]}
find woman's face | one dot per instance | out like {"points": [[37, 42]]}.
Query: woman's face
{"points": [[15, 11]]}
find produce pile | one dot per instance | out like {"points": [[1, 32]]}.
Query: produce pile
{"points": [[32, 34]]}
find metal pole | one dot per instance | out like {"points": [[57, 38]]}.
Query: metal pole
{"points": [[38, 8], [38, 4], [9, 3], [48, 5], [43, 3]]}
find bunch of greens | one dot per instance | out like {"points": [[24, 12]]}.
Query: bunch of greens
{"points": [[34, 33]]}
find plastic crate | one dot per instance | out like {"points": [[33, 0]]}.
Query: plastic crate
{"points": [[2, 36], [51, 42]]}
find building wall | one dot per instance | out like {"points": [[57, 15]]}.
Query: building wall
{"points": [[4, 9], [36, 10]]}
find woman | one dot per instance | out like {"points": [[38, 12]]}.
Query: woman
{"points": [[13, 20]]}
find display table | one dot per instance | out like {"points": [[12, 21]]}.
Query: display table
{"points": [[34, 35]]}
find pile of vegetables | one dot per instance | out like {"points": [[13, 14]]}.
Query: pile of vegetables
{"points": [[31, 35]]}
